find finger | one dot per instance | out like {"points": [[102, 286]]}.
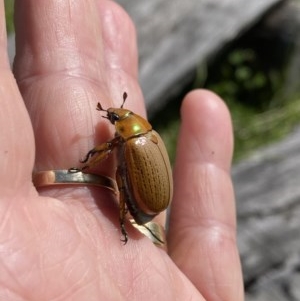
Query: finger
{"points": [[70, 55], [16, 137], [202, 238]]}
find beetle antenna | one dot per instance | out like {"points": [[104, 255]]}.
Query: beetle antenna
{"points": [[99, 108], [124, 99]]}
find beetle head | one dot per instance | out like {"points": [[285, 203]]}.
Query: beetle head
{"points": [[113, 114]]}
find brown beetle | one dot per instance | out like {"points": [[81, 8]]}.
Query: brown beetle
{"points": [[144, 175]]}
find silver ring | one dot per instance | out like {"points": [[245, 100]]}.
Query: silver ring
{"points": [[154, 231]]}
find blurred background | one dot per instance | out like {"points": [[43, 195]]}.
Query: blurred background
{"points": [[249, 53]]}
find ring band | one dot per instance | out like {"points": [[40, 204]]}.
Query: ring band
{"points": [[72, 177], [154, 231]]}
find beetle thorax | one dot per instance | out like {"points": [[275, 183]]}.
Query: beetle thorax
{"points": [[127, 123]]}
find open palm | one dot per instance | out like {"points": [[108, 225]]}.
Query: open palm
{"points": [[64, 243]]}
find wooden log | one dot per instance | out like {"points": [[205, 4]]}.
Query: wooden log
{"points": [[175, 36], [267, 189]]}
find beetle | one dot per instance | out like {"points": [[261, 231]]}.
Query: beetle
{"points": [[143, 175]]}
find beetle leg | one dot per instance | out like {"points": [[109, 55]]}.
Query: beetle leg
{"points": [[122, 207], [101, 151]]}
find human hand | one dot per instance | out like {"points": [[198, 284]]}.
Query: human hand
{"points": [[64, 243]]}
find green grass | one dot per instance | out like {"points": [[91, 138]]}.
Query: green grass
{"points": [[168, 130], [259, 129], [9, 12], [253, 89], [251, 129]]}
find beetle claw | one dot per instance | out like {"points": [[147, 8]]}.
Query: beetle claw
{"points": [[124, 240], [88, 155], [124, 232], [74, 170]]}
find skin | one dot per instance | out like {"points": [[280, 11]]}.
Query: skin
{"points": [[63, 243]]}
